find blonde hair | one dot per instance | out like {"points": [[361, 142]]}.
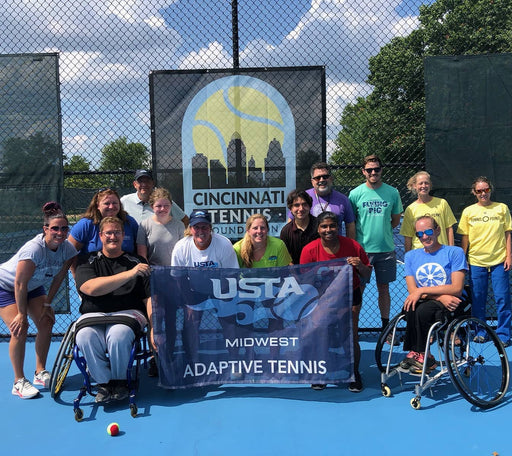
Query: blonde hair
{"points": [[246, 248], [159, 193], [411, 183]]}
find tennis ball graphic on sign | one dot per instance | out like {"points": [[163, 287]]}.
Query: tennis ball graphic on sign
{"points": [[237, 111]]}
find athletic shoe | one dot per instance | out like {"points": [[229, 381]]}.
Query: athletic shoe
{"points": [[480, 338], [42, 379], [396, 342], [417, 364], [318, 386], [103, 393], [24, 389], [408, 361], [357, 385]]}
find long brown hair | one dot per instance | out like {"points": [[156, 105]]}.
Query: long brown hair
{"points": [[92, 212], [246, 248]]}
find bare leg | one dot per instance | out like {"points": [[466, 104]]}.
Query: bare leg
{"points": [[44, 325], [16, 344], [355, 333], [384, 300]]}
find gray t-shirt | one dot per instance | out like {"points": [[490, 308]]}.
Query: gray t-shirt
{"points": [[48, 263], [160, 239]]}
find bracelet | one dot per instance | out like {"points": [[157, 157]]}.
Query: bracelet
{"points": [[47, 304]]}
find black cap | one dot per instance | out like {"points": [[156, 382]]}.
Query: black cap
{"points": [[200, 217], [141, 173]]}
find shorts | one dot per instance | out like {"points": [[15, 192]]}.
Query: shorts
{"points": [[7, 297], [384, 265]]}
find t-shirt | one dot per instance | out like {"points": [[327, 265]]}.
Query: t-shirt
{"points": [[160, 239], [434, 269], [131, 295], [141, 210], [219, 254], [334, 202], [373, 209], [437, 208], [86, 232], [276, 254], [485, 227], [48, 262], [314, 252], [295, 238]]}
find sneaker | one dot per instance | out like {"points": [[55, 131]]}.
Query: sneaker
{"points": [[42, 379], [152, 368], [24, 389], [119, 390], [408, 361], [103, 393], [318, 386], [389, 339], [357, 385], [417, 365], [480, 339]]}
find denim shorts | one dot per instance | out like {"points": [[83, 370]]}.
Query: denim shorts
{"points": [[7, 297]]}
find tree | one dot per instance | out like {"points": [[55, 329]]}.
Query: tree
{"points": [[78, 164], [391, 120], [119, 155]]}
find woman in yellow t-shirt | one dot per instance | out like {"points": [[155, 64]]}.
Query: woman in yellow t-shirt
{"points": [[420, 185], [485, 228]]}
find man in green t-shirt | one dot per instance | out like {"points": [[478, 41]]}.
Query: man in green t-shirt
{"points": [[377, 207]]}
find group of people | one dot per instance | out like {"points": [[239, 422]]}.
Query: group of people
{"points": [[111, 249]]}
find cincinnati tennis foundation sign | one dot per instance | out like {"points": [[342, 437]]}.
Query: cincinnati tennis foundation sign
{"points": [[239, 138]]}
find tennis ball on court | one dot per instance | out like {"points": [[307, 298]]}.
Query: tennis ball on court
{"points": [[113, 429]]}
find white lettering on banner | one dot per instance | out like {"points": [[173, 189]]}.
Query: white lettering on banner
{"points": [[251, 197], [250, 287], [262, 342], [276, 366]]}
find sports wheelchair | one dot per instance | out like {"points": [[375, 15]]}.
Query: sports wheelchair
{"points": [[478, 370], [69, 351]]}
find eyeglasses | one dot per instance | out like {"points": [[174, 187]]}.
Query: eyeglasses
{"points": [[321, 177], [56, 229], [483, 190], [373, 170], [428, 232], [112, 233]]}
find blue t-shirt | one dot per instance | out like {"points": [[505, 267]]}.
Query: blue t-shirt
{"points": [[88, 234], [434, 269]]}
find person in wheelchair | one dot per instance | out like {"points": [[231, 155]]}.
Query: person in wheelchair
{"points": [[111, 282], [435, 282]]}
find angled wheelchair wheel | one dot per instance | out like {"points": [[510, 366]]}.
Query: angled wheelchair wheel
{"points": [[388, 350], [477, 362], [63, 361]]}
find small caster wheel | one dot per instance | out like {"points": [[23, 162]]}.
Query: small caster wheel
{"points": [[386, 391], [79, 415], [415, 403], [133, 410]]}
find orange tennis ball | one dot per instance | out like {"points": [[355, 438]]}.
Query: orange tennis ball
{"points": [[113, 429]]}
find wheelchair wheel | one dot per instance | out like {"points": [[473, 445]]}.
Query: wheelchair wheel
{"points": [[63, 361], [479, 370], [388, 349]]}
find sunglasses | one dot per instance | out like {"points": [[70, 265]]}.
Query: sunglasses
{"points": [[374, 170], [428, 232], [56, 229], [115, 233], [483, 190], [321, 177]]}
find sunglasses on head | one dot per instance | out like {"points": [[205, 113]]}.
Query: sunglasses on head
{"points": [[374, 170], [428, 232], [483, 190], [322, 176], [56, 229]]}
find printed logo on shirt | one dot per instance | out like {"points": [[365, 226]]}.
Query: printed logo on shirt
{"points": [[375, 207], [206, 264], [431, 275]]}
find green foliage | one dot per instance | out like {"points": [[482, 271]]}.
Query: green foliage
{"points": [[78, 164], [391, 120], [120, 155]]}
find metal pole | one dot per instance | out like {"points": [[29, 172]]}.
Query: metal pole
{"points": [[234, 29]]}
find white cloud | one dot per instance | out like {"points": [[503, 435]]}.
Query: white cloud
{"points": [[214, 56]]}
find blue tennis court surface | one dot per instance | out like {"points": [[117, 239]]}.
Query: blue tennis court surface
{"points": [[253, 419]]}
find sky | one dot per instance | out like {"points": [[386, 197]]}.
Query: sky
{"points": [[108, 48]]}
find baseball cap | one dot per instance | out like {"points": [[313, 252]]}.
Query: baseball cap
{"points": [[141, 173], [200, 217]]}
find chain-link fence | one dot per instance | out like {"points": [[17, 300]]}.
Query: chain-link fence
{"points": [[371, 51]]}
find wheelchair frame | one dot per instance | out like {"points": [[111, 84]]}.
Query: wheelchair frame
{"points": [[69, 351], [472, 366]]}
